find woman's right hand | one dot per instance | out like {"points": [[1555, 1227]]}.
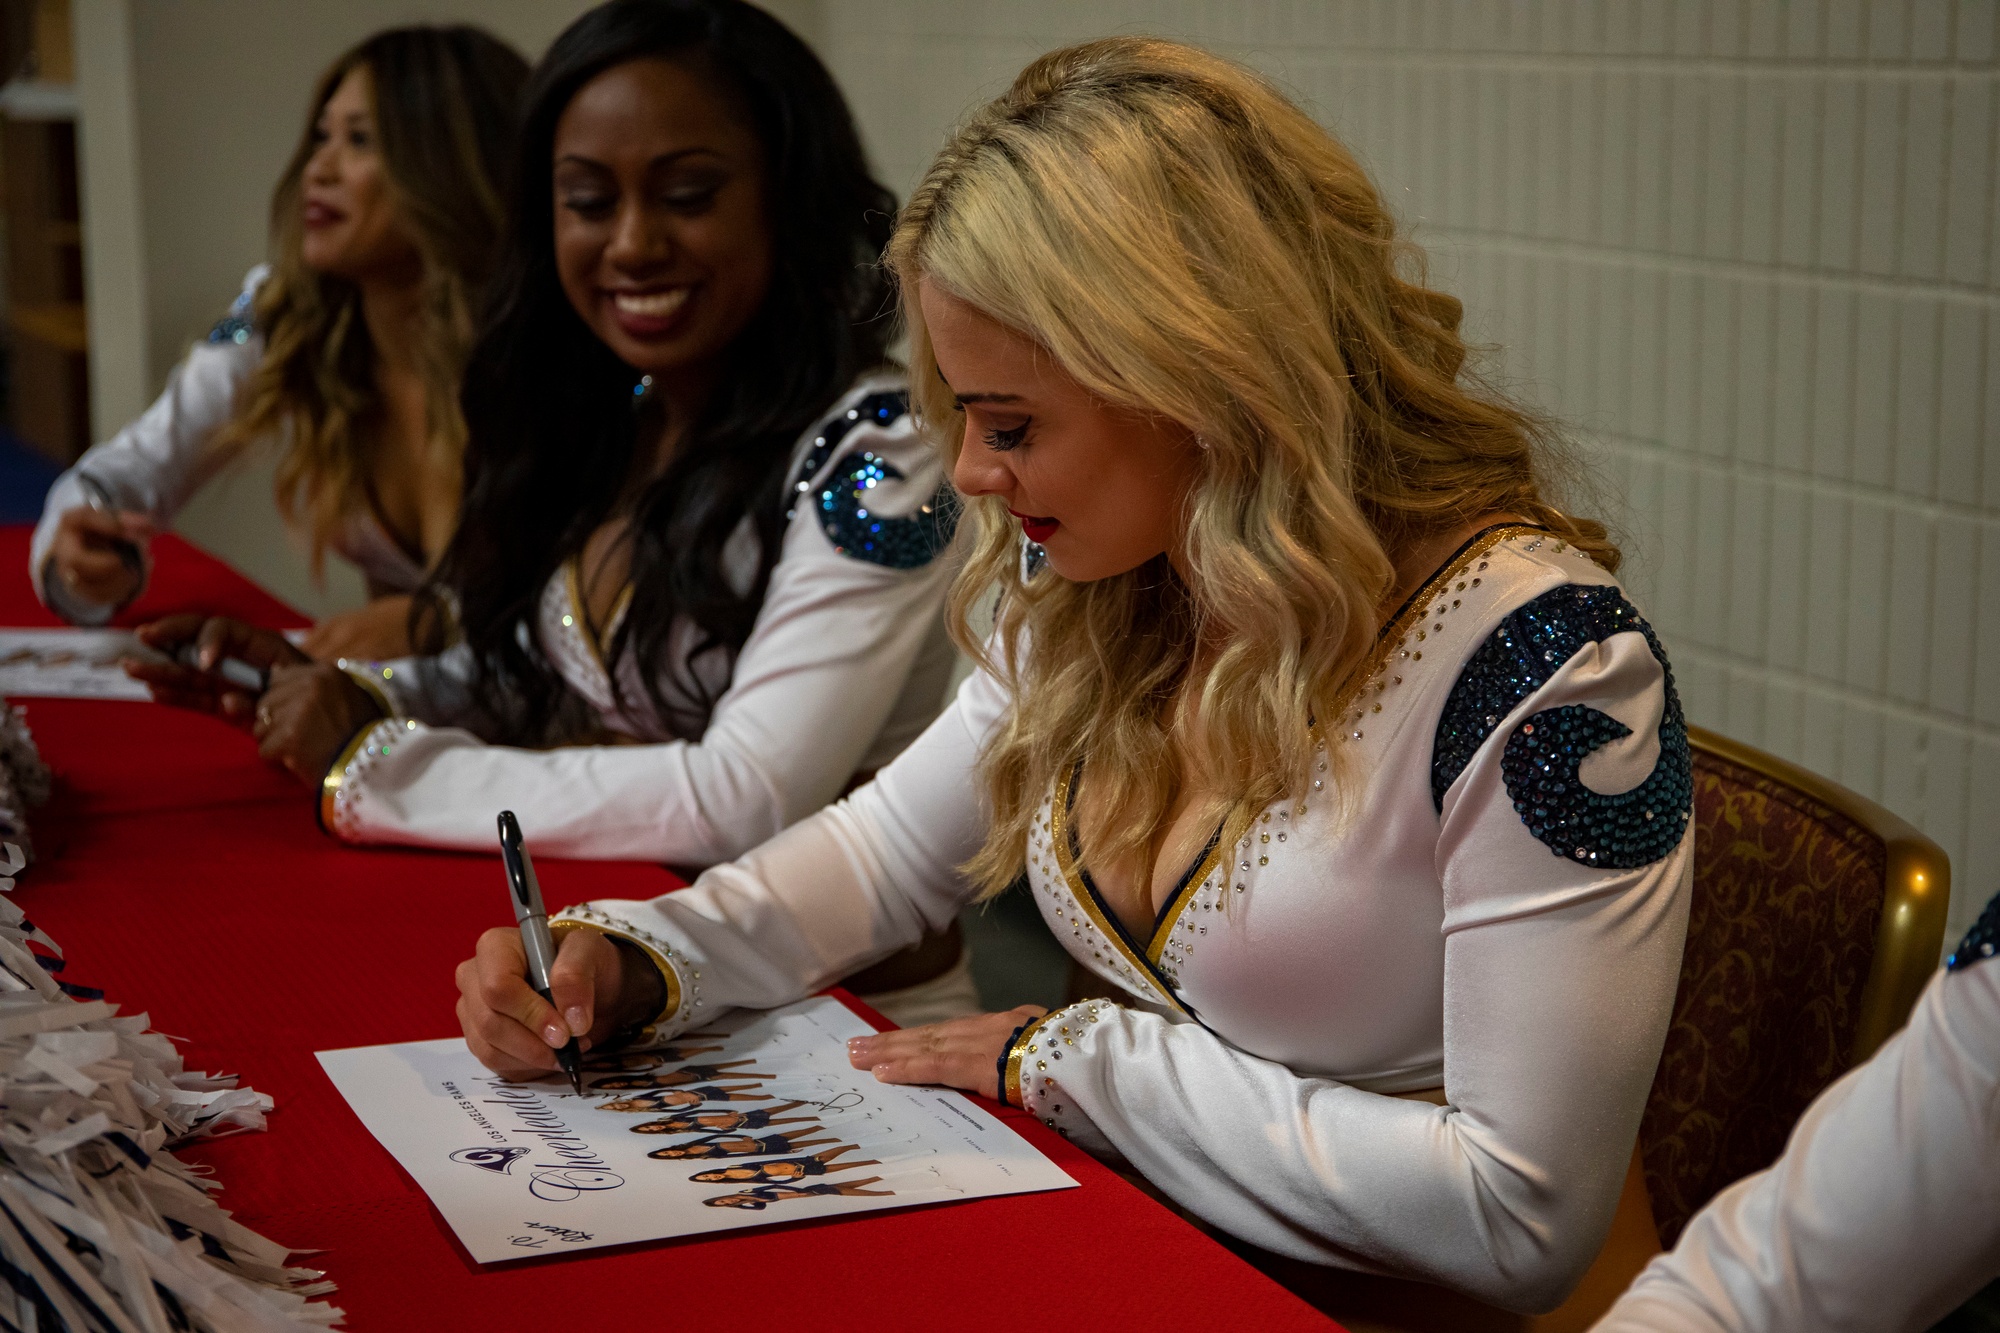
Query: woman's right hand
{"points": [[212, 638], [87, 558], [600, 985]]}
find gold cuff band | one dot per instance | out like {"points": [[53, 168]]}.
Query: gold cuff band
{"points": [[365, 676], [563, 925], [1010, 1086], [336, 774]]}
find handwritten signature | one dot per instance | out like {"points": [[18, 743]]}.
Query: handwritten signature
{"points": [[560, 1185], [846, 1101], [566, 1235]]}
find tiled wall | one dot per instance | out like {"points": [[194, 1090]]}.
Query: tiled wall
{"points": [[1745, 248]]}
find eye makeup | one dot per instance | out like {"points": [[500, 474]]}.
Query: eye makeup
{"points": [[1000, 441]]}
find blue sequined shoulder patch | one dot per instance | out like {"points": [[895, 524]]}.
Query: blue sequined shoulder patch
{"points": [[1543, 755], [1981, 942], [236, 326], [841, 498]]}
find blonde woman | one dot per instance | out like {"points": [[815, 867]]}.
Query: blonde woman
{"points": [[346, 350], [1319, 733]]}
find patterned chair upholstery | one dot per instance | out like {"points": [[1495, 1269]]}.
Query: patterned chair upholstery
{"points": [[1817, 918]]}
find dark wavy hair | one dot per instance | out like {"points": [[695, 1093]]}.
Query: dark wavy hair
{"points": [[550, 409]]}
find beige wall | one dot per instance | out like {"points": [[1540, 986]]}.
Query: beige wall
{"points": [[1747, 248]]}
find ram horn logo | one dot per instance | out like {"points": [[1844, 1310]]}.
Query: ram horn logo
{"points": [[490, 1159]]}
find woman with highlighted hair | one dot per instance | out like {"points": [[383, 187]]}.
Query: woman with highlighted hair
{"points": [[1320, 734], [343, 353]]}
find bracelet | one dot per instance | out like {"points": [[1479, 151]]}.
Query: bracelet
{"points": [[1000, 1065], [1009, 1065]]}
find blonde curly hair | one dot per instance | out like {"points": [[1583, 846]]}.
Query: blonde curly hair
{"points": [[1185, 241]]}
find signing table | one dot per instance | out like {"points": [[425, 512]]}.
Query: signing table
{"points": [[189, 879]]}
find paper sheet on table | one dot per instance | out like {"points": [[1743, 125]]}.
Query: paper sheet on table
{"points": [[764, 1105], [69, 664]]}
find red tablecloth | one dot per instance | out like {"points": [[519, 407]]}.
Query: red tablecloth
{"points": [[186, 877]]}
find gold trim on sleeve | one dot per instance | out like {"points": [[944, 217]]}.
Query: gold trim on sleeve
{"points": [[330, 784], [1010, 1088], [572, 919], [364, 676]]}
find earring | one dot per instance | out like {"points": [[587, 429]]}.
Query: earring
{"points": [[1034, 559]]}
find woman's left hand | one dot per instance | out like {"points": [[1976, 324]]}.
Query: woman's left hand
{"points": [[960, 1054], [307, 714]]}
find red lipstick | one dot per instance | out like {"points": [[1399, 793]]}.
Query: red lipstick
{"points": [[319, 214], [1038, 529]]}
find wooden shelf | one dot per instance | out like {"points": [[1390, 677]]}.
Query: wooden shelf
{"points": [[47, 338], [59, 325]]}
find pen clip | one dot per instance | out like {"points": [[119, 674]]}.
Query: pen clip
{"points": [[520, 870]]}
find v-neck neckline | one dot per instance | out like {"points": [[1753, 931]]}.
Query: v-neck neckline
{"points": [[1145, 957], [1142, 961], [1197, 870], [597, 640], [413, 553]]}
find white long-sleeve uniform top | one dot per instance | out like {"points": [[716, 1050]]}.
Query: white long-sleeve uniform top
{"points": [[847, 661], [1482, 920], [158, 461], [1883, 1214]]}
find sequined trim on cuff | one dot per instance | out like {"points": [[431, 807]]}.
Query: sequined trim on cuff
{"points": [[1031, 1082], [1019, 1045], [371, 677], [340, 788], [683, 981]]}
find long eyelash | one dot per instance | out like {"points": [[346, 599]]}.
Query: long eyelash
{"points": [[1000, 441]]}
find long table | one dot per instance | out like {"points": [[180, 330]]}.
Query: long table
{"points": [[189, 879]]}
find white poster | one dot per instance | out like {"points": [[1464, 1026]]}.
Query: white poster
{"points": [[69, 664], [756, 1118]]}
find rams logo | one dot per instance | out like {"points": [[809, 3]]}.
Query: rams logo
{"points": [[490, 1159]]}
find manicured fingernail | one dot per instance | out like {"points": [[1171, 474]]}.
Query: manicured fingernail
{"points": [[856, 1045], [579, 1022], [881, 1073], [554, 1035]]}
